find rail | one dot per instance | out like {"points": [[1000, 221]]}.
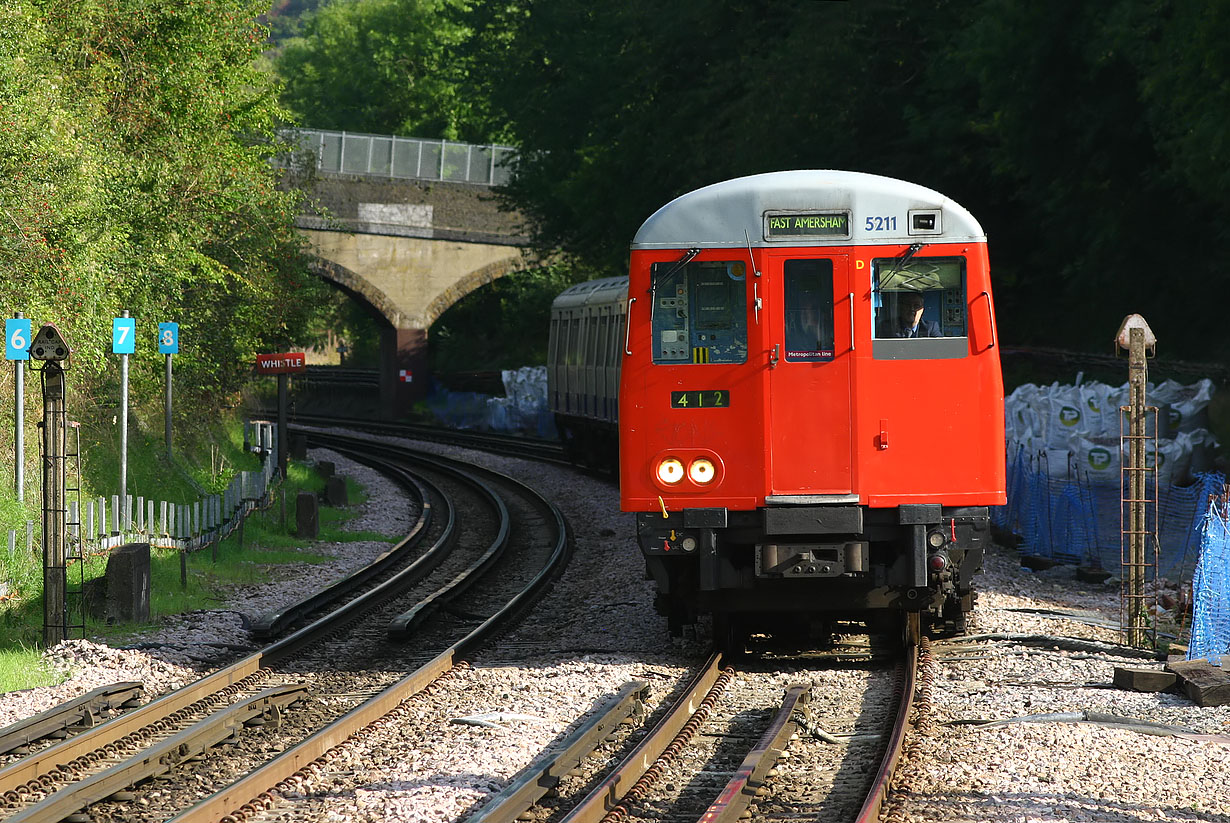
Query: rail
{"points": [[39, 783]]}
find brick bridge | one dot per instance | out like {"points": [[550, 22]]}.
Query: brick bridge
{"points": [[407, 249]]}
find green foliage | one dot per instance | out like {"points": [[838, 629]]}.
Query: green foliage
{"points": [[502, 325], [344, 320], [134, 175], [22, 667], [1087, 138], [384, 66], [685, 102], [286, 18]]}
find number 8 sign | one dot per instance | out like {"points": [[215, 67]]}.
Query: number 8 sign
{"points": [[17, 339], [168, 338]]}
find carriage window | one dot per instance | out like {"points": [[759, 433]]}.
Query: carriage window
{"points": [[591, 344], [700, 312], [572, 354], [924, 297], [808, 308]]}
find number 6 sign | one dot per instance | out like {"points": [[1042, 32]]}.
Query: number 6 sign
{"points": [[17, 339]]}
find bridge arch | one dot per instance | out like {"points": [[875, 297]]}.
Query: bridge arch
{"points": [[472, 282], [362, 291], [408, 283], [407, 242]]}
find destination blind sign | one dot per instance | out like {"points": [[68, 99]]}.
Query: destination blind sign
{"points": [[778, 225]]}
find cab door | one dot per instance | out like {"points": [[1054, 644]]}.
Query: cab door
{"points": [[812, 349]]}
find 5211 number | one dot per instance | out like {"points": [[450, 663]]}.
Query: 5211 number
{"points": [[881, 224]]}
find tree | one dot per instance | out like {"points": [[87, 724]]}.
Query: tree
{"points": [[135, 173], [622, 105], [1085, 137], [383, 66], [1064, 127]]}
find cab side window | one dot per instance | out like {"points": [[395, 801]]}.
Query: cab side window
{"points": [[700, 312], [808, 307], [921, 298]]}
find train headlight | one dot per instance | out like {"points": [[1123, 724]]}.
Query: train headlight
{"points": [[670, 471], [936, 539], [701, 471]]}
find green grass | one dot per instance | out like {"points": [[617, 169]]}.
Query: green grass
{"points": [[268, 541], [24, 668]]}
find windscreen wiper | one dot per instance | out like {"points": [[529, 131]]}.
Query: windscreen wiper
{"points": [[905, 258], [679, 264]]}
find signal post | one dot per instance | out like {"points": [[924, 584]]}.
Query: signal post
{"points": [[50, 349]]}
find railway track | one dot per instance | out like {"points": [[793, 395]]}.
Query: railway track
{"points": [[282, 708], [732, 744], [547, 451], [765, 743]]}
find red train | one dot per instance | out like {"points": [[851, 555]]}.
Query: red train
{"points": [[810, 402]]}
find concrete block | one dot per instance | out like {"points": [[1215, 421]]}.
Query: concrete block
{"points": [[128, 583], [298, 447], [307, 515], [335, 492], [94, 598]]}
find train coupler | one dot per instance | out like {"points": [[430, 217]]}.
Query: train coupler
{"points": [[812, 559]]}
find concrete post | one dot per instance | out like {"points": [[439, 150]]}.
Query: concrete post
{"points": [[307, 515]]}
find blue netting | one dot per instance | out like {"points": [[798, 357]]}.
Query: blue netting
{"points": [[1211, 588], [1076, 521], [523, 409]]}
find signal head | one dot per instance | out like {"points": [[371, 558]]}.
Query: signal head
{"points": [[49, 345]]}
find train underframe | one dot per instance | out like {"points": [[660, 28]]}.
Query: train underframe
{"points": [[588, 443], [794, 569]]}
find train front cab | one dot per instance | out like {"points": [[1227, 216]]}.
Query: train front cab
{"points": [[793, 460]]}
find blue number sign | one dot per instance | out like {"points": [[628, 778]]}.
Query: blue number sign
{"points": [[124, 335], [168, 338], [17, 339]]}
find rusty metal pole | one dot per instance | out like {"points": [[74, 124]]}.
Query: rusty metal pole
{"points": [[1137, 522], [1138, 376]]}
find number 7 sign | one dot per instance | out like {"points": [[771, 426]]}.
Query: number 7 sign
{"points": [[124, 335]]}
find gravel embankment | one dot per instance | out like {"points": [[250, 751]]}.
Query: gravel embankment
{"points": [[596, 630]]}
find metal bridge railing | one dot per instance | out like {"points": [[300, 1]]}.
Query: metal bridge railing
{"points": [[382, 155]]}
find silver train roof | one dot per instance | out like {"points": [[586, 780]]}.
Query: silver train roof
{"points": [[717, 216]]}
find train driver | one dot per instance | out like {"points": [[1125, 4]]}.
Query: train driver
{"points": [[909, 319]]}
